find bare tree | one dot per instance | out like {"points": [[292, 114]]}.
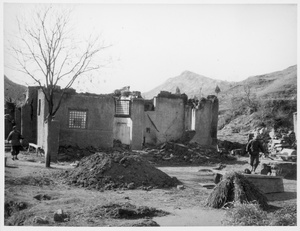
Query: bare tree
{"points": [[49, 54]]}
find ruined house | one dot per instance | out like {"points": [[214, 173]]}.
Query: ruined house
{"points": [[86, 120]]}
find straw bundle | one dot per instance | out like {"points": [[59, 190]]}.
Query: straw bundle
{"points": [[235, 188]]}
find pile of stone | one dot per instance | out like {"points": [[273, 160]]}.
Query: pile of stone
{"points": [[226, 146], [182, 154], [106, 171]]}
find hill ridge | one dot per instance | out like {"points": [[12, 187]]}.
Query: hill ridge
{"points": [[193, 84]]}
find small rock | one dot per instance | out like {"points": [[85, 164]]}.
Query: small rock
{"points": [[40, 220], [147, 222], [180, 187], [131, 186], [60, 216], [75, 164], [42, 197]]}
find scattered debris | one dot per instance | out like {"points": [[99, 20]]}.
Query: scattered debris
{"points": [[207, 185], [41, 197], [180, 187], [225, 147], [11, 207], [172, 153], [187, 136], [146, 223], [40, 220], [75, 164], [126, 211], [60, 216], [220, 167], [131, 185]]}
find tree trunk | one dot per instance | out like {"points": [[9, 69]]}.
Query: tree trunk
{"points": [[48, 145]]}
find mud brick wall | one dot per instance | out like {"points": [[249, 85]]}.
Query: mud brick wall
{"points": [[215, 115], [99, 122], [207, 121], [138, 121], [29, 115], [166, 122]]}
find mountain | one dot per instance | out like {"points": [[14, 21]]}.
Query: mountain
{"points": [[280, 84], [14, 92], [191, 84]]}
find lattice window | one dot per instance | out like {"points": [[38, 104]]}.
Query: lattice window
{"points": [[77, 119], [122, 108]]}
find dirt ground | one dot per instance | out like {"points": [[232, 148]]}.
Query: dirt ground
{"points": [[27, 179]]}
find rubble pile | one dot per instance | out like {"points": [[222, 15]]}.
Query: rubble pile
{"points": [[171, 153], [106, 171], [226, 146], [168, 153], [71, 153]]}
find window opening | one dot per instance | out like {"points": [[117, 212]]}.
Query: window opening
{"points": [[122, 108], [77, 119]]}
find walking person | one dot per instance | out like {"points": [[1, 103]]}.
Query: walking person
{"points": [[15, 137], [254, 146]]}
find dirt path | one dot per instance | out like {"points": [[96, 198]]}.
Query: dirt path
{"points": [[27, 178]]}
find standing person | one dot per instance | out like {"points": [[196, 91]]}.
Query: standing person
{"points": [[254, 146], [15, 137]]}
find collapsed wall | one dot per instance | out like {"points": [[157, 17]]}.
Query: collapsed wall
{"points": [[173, 114], [92, 120], [206, 121]]}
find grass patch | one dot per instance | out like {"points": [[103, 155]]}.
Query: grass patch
{"points": [[246, 214], [251, 214], [286, 216]]}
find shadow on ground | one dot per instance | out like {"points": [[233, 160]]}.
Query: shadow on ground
{"points": [[282, 196]]}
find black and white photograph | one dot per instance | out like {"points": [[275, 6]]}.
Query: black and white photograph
{"points": [[163, 114]]}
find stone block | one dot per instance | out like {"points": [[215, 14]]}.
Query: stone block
{"points": [[267, 184]]}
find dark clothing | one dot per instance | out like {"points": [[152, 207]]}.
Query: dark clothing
{"points": [[250, 136], [15, 137], [254, 147], [254, 160], [15, 150]]}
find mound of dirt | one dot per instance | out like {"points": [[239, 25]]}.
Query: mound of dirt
{"points": [[11, 207], [117, 170], [126, 211]]}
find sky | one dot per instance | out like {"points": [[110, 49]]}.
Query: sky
{"points": [[153, 42]]}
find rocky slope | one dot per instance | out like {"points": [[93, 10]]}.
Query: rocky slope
{"points": [[14, 92], [277, 91], [279, 84]]}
